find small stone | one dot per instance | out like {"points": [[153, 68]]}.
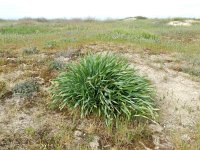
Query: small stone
{"points": [[96, 138], [94, 145], [77, 133], [155, 128], [77, 136], [21, 118], [40, 80], [186, 138]]}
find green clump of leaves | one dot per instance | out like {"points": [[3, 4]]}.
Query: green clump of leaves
{"points": [[105, 85], [26, 88]]}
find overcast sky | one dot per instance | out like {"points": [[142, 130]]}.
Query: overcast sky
{"points": [[102, 9]]}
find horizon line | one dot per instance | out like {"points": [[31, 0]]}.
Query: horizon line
{"points": [[93, 18]]}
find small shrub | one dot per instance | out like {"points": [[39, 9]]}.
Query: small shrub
{"points": [[3, 88], [55, 65], [6, 53], [192, 70], [64, 53], [3, 61], [51, 44], [26, 88], [104, 84], [30, 50], [147, 35], [70, 54]]}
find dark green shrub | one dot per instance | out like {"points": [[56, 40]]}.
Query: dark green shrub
{"points": [[141, 17], [105, 85], [26, 88]]}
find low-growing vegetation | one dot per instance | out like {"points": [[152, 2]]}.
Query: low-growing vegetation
{"points": [[3, 88], [104, 84], [30, 50], [26, 88], [56, 65], [151, 64], [51, 44]]}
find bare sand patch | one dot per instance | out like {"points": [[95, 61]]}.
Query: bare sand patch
{"points": [[178, 96], [179, 23], [188, 22]]}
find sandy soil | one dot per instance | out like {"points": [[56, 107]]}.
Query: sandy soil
{"points": [[177, 95], [183, 23], [179, 23]]}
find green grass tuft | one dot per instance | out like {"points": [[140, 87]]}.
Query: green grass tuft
{"points": [[105, 85], [21, 29]]}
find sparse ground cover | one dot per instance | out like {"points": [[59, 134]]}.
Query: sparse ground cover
{"points": [[34, 52]]}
